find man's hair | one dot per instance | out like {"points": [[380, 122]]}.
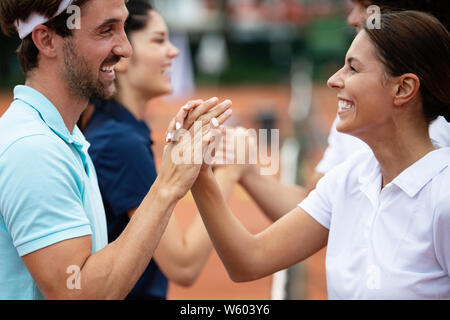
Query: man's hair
{"points": [[438, 8], [12, 10]]}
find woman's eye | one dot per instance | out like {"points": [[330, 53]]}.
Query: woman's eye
{"points": [[107, 31], [352, 69]]}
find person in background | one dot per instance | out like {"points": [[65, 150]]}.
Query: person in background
{"points": [[121, 150]]}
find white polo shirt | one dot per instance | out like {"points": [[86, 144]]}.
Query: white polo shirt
{"points": [[392, 243], [341, 146]]}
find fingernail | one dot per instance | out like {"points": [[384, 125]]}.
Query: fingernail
{"points": [[213, 99], [226, 103], [168, 137], [178, 126], [228, 112], [214, 122], [186, 107]]}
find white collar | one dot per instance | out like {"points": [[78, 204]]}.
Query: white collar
{"points": [[414, 178]]}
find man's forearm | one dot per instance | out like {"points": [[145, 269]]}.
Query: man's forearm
{"points": [[273, 198], [113, 271]]}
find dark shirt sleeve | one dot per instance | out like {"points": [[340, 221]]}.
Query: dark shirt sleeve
{"points": [[126, 170]]}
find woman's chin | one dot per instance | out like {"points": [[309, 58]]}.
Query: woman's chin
{"points": [[343, 127]]}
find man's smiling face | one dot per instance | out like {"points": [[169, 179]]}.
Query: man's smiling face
{"points": [[93, 50]]}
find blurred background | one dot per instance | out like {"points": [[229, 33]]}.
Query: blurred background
{"points": [[272, 59]]}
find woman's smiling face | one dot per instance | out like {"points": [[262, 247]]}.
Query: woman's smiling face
{"points": [[149, 68], [365, 92]]}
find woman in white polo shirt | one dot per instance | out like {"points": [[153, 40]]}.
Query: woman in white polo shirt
{"points": [[384, 215]]}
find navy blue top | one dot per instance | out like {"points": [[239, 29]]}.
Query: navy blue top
{"points": [[123, 158]]}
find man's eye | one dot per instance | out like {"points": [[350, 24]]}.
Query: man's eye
{"points": [[352, 69], [106, 30]]}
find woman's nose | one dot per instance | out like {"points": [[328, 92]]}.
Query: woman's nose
{"points": [[336, 81], [173, 51]]}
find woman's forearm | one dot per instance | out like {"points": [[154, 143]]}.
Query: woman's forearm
{"points": [[272, 197], [233, 242], [181, 255]]}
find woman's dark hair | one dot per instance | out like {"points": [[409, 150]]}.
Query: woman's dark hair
{"points": [[12, 10], [416, 42], [138, 15]]}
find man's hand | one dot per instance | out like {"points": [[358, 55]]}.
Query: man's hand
{"points": [[198, 127]]}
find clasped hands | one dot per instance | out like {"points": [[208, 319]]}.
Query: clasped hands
{"points": [[193, 138]]}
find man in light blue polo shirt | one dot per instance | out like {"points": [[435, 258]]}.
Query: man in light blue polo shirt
{"points": [[36, 214], [53, 241]]}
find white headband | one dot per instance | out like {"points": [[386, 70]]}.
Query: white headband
{"points": [[24, 28]]}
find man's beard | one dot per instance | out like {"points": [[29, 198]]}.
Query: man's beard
{"points": [[81, 78]]}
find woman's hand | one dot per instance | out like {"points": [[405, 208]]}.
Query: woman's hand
{"points": [[183, 155], [237, 153]]}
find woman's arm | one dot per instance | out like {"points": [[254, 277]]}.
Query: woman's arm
{"points": [[182, 255], [259, 186], [291, 239]]}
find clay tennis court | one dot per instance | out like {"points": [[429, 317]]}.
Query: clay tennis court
{"points": [[214, 282]]}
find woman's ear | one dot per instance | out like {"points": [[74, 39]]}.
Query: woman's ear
{"points": [[122, 65], [406, 88]]}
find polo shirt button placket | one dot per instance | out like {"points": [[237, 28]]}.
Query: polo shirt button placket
{"points": [[369, 225]]}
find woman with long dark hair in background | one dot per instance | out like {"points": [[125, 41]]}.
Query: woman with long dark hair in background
{"points": [[121, 151]]}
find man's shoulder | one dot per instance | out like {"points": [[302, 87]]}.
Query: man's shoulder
{"points": [[22, 125]]}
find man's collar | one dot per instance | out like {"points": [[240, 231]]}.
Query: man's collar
{"points": [[50, 115], [116, 110]]}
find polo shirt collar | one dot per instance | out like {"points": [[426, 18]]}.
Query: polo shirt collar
{"points": [[411, 180], [415, 177], [370, 180], [115, 109], [50, 115]]}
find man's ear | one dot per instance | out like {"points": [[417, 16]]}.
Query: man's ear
{"points": [[122, 65], [44, 40], [406, 88]]}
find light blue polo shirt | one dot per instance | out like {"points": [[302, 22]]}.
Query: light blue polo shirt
{"points": [[48, 189]]}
